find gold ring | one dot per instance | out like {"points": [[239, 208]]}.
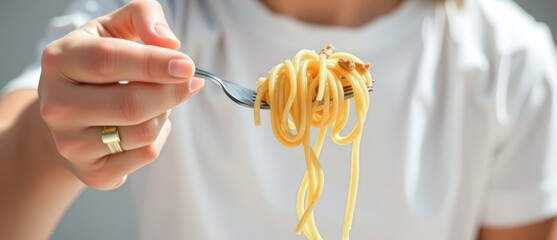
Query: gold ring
{"points": [[111, 138]]}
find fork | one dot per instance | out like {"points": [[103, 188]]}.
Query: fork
{"points": [[245, 96]]}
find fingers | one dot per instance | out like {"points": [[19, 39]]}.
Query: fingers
{"points": [[108, 172], [139, 19], [132, 137], [116, 104], [85, 59], [81, 90], [101, 52], [87, 143]]}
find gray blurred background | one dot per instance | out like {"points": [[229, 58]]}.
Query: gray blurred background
{"points": [[109, 215]]}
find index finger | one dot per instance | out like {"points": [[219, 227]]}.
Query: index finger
{"points": [[88, 59]]}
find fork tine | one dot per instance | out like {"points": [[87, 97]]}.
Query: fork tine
{"points": [[346, 90], [245, 96], [264, 105], [348, 93]]}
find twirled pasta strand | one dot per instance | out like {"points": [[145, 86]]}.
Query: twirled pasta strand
{"points": [[308, 91]]}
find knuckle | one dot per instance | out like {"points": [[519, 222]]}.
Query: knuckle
{"points": [[180, 92], [47, 110], [105, 59], [146, 132], [149, 69], [51, 111], [50, 56], [150, 153], [64, 146], [132, 107], [143, 5]]}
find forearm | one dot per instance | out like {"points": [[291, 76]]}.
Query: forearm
{"points": [[35, 185], [542, 230]]}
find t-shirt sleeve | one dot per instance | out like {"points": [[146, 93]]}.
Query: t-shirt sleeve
{"points": [[523, 185], [78, 13]]}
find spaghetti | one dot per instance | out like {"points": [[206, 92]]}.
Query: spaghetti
{"points": [[309, 91]]}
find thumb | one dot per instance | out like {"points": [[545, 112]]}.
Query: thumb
{"points": [[143, 19]]}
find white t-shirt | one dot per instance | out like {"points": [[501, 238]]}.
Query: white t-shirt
{"points": [[461, 130]]}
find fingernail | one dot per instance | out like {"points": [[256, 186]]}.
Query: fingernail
{"points": [[196, 84], [180, 68], [168, 112], [164, 31]]}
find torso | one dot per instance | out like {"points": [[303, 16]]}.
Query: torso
{"points": [[426, 145]]}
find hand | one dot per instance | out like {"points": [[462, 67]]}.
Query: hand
{"points": [[79, 91]]}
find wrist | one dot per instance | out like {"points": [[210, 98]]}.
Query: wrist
{"points": [[36, 185], [39, 152]]}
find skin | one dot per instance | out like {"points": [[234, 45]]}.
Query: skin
{"points": [[541, 230], [329, 12], [50, 137]]}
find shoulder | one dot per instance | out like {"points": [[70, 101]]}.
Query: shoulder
{"points": [[509, 40], [514, 54], [506, 30]]}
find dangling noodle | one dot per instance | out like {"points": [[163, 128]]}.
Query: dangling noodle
{"points": [[308, 91]]}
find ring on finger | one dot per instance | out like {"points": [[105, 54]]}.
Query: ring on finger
{"points": [[111, 138]]}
